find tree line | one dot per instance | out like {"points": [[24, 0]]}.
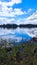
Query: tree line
{"points": [[20, 25]]}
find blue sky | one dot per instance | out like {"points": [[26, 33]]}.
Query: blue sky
{"points": [[26, 4], [18, 11]]}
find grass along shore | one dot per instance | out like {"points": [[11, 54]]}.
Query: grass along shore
{"points": [[22, 54]]}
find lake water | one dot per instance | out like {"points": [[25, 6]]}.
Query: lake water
{"points": [[18, 35]]}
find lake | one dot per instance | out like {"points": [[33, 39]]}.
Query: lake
{"points": [[18, 35]]}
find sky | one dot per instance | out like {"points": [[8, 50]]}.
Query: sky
{"points": [[18, 12]]}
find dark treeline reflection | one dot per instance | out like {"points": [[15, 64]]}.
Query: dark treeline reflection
{"points": [[14, 26]]}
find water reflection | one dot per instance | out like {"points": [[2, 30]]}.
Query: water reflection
{"points": [[18, 34]]}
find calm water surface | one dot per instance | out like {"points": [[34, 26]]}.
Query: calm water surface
{"points": [[19, 34]]}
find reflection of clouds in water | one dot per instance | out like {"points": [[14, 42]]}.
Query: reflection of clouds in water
{"points": [[5, 31], [10, 31], [16, 35], [12, 38], [31, 32], [15, 39]]}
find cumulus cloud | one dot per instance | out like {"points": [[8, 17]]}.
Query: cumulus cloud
{"points": [[18, 11], [9, 12], [6, 12]]}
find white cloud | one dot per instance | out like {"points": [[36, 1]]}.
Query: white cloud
{"points": [[9, 12], [6, 20], [29, 10], [12, 2], [32, 19], [5, 11], [18, 11]]}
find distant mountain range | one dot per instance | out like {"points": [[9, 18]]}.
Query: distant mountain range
{"points": [[20, 26]]}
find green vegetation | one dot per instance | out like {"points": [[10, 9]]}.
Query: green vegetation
{"points": [[23, 54]]}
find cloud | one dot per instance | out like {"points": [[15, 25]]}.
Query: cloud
{"points": [[6, 14], [32, 19], [10, 3], [7, 20], [18, 11], [5, 11], [29, 10]]}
